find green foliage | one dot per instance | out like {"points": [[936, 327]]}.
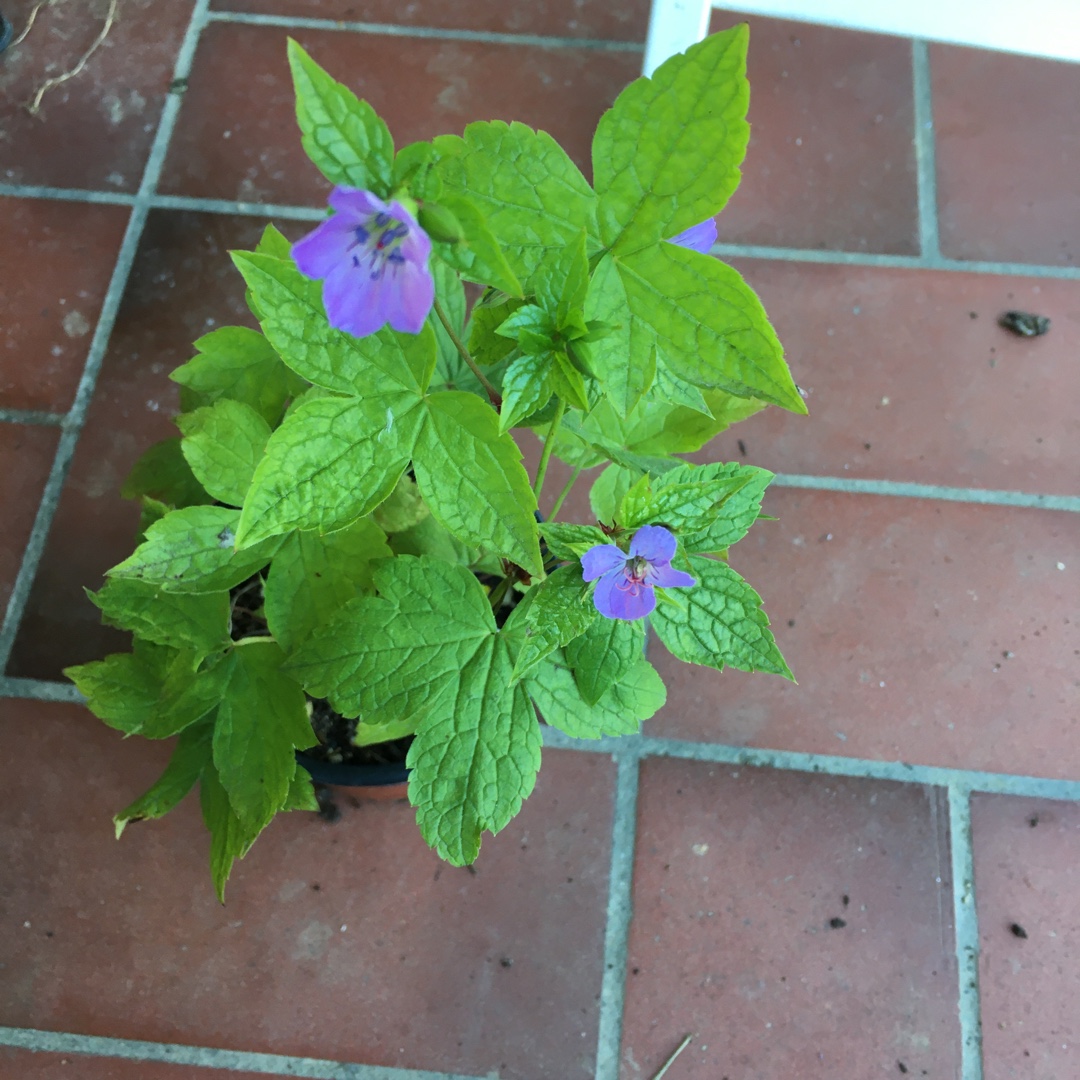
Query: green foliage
{"points": [[163, 474], [571, 541], [559, 610], [603, 655], [475, 253], [223, 443]]}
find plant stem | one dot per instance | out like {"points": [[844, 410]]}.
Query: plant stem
{"points": [[492, 393], [498, 594], [671, 1060], [549, 445], [562, 494]]}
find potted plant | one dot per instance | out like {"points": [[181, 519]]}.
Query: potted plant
{"points": [[344, 532]]}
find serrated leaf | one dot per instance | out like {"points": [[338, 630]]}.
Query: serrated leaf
{"points": [[188, 759], [534, 198], [475, 760], [274, 243], [301, 792], [343, 136], [733, 515], [526, 387], [609, 488], [568, 541], [192, 551], [223, 443], [472, 479], [261, 721], [561, 282], [430, 537], [559, 611], [392, 656], [620, 711], [163, 474], [666, 155], [602, 656], [313, 576], [568, 382], [403, 508], [485, 345], [709, 327], [690, 507], [294, 321], [332, 461], [237, 363], [369, 734], [719, 621], [478, 256], [185, 621], [230, 838]]}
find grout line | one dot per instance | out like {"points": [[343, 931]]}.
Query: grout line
{"points": [[39, 690], [31, 416], [645, 746], [59, 1042], [125, 258], [619, 914], [249, 209], [925, 152], [490, 37], [59, 194], [903, 489], [967, 932]]}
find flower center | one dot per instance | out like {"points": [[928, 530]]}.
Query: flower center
{"points": [[637, 568], [380, 239]]}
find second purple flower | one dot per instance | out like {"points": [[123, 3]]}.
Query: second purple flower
{"points": [[372, 258], [626, 582]]}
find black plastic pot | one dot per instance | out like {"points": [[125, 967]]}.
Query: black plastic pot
{"points": [[7, 32], [342, 775]]}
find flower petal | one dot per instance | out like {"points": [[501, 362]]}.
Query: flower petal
{"points": [[654, 543], [667, 577], [617, 597], [601, 559], [324, 248], [409, 298], [356, 203], [698, 237], [353, 301]]}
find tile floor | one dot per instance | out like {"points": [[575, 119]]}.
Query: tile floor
{"points": [[872, 874]]}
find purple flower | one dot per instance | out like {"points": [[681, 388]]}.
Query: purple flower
{"points": [[698, 237], [625, 588], [373, 259]]}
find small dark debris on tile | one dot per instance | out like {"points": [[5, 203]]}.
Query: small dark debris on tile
{"points": [[901, 1066], [1017, 930], [973, 314], [1024, 323], [742, 448], [506, 962], [845, 899], [836, 923], [1033, 820]]}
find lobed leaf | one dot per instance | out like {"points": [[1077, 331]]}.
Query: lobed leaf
{"points": [[223, 443]]}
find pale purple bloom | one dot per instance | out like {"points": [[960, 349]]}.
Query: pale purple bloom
{"points": [[698, 237], [373, 259], [625, 588]]}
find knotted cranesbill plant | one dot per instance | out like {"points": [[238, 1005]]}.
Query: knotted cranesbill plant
{"points": [[345, 525]]}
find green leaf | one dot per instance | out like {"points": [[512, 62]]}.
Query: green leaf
{"points": [[154, 691], [301, 792], [609, 488], [185, 621], [261, 720], [567, 541], [620, 711], [294, 321], [709, 327], [240, 364], [163, 474], [562, 281], [313, 576], [223, 443], [430, 537], [342, 135], [413, 167], [473, 481], [485, 344], [402, 509], [559, 611], [718, 621], [393, 656], [476, 760], [478, 254], [666, 155], [187, 762], [230, 838], [192, 551], [693, 507], [603, 655], [526, 387], [332, 461], [370, 734], [274, 243], [534, 198], [733, 515]]}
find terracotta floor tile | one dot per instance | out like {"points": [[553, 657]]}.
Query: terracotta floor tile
{"points": [[53, 297], [95, 130], [25, 1065], [26, 456], [919, 631], [799, 925], [1008, 152], [910, 378], [1027, 875], [237, 134], [831, 161], [626, 20], [182, 285], [351, 938]]}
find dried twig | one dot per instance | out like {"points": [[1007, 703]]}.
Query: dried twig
{"points": [[49, 84], [30, 21], [671, 1060]]}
